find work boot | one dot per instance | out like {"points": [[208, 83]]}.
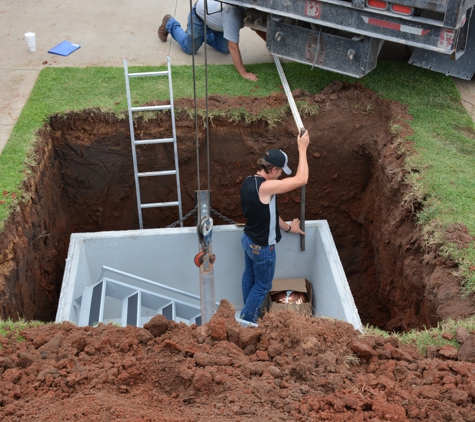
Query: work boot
{"points": [[162, 29]]}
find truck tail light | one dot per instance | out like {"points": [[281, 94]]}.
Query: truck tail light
{"points": [[377, 4], [402, 10]]}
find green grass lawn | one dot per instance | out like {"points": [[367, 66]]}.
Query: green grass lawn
{"points": [[443, 132]]}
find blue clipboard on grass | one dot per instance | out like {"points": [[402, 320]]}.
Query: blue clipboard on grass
{"points": [[64, 48]]}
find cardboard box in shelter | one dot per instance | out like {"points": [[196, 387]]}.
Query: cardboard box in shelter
{"points": [[297, 285]]}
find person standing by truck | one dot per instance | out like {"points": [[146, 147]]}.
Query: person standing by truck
{"points": [[223, 23], [263, 226]]}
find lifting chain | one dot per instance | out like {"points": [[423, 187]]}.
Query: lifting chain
{"points": [[228, 220], [193, 211]]}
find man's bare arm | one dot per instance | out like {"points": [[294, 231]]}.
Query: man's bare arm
{"points": [[294, 226], [274, 187], [237, 60]]}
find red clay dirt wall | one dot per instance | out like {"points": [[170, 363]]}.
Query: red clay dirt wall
{"points": [[84, 182]]}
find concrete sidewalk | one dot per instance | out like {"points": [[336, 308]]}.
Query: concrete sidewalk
{"points": [[107, 30]]}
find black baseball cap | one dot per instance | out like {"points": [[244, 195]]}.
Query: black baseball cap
{"points": [[278, 158]]}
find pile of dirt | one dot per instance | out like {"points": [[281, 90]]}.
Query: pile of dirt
{"points": [[291, 367]]}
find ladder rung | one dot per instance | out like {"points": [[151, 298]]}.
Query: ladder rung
{"points": [[153, 141], [156, 173], [139, 74], [160, 204], [151, 108]]}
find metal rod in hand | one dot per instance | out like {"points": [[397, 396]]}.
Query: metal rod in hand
{"points": [[302, 207], [298, 122], [290, 98], [302, 217]]}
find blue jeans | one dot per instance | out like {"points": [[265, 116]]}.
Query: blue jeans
{"points": [[257, 277], [213, 38]]}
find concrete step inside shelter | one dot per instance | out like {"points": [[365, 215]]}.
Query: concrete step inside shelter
{"points": [[124, 303], [127, 277]]}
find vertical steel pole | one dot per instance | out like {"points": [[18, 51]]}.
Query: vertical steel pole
{"points": [[175, 146], [207, 289]]}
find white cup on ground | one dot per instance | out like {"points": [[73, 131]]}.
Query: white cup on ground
{"points": [[31, 40]]}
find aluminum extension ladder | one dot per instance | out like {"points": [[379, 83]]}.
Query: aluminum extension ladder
{"points": [[138, 175]]}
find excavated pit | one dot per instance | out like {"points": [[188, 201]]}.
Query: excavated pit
{"points": [[83, 182]]}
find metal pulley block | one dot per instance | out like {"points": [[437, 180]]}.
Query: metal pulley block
{"points": [[205, 231]]}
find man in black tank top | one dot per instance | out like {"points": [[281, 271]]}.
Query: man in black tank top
{"points": [[262, 230]]}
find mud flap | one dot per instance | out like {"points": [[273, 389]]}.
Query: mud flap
{"points": [[461, 64]]}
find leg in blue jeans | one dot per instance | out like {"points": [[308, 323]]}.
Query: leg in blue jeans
{"points": [[257, 277], [213, 38], [184, 38], [216, 40], [248, 275]]}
